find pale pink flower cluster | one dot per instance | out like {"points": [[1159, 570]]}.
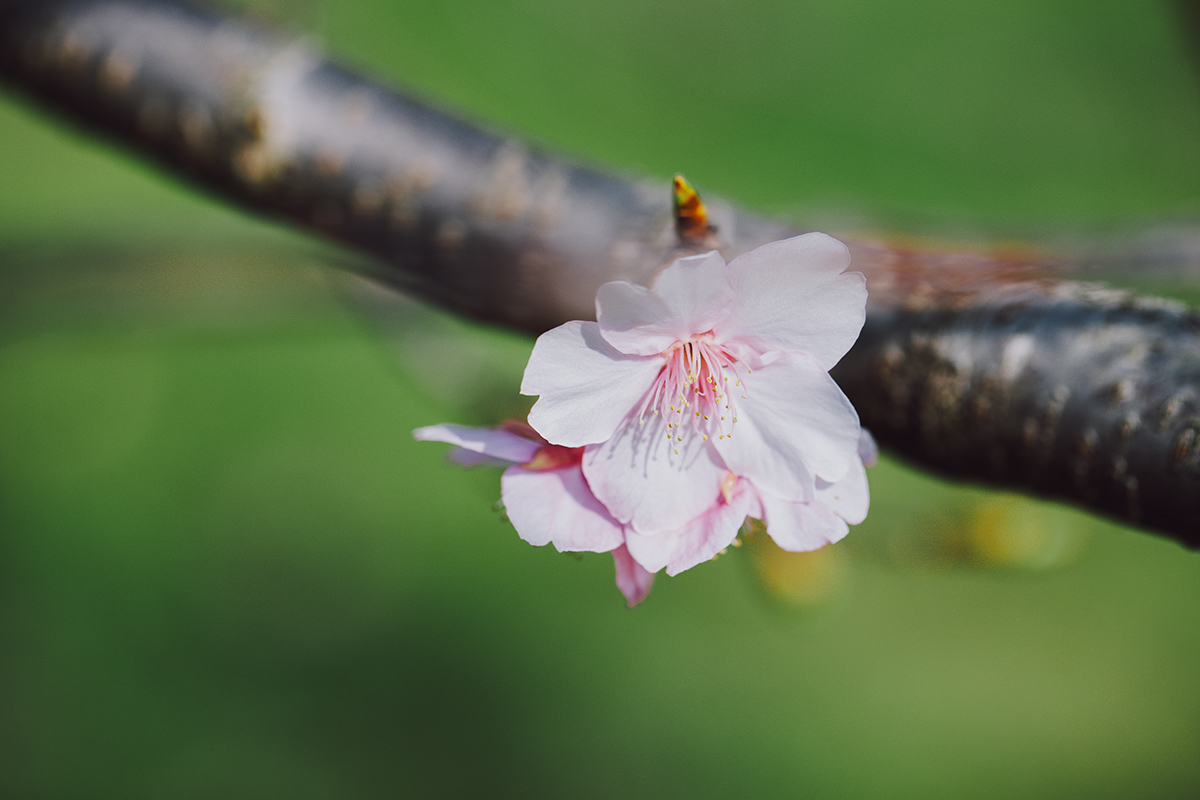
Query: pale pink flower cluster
{"points": [[688, 407]]}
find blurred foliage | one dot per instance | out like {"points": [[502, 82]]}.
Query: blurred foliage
{"points": [[226, 570]]}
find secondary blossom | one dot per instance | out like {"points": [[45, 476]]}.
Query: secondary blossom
{"points": [[545, 494]]}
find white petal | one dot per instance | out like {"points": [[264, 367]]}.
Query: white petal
{"points": [[694, 543], [691, 296], [645, 483], [850, 497], [795, 295], [799, 527], [487, 443], [587, 387], [655, 551], [633, 579], [794, 425], [697, 290], [557, 506], [634, 319]]}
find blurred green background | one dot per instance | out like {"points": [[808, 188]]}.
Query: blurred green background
{"points": [[226, 570]]}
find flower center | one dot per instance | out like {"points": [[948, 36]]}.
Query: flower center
{"points": [[695, 389]]}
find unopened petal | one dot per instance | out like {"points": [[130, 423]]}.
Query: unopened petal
{"points": [[800, 527], [587, 387], [652, 481], [795, 295], [556, 506], [794, 425], [633, 579], [485, 444]]}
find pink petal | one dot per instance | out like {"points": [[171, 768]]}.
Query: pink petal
{"points": [[557, 506], [587, 387], [799, 527], [693, 295], [795, 295], [481, 444], [634, 319], [850, 497], [694, 543], [468, 458], [633, 579], [697, 290], [794, 424], [644, 482]]}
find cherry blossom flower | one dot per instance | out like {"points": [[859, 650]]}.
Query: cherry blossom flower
{"points": [[686, 408], [715, 371], [545, 494]]}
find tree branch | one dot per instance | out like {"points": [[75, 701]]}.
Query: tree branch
{"points": [[975, 367]]}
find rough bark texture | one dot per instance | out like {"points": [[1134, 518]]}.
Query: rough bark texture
{"points": [[971, 366]]}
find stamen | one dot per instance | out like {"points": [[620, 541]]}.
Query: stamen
{"points": [[694, 371]]}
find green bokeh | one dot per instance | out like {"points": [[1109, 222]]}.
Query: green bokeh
{"points": [[226, 570]]}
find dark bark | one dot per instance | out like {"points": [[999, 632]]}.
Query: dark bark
{"points": [[967, 365]]}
